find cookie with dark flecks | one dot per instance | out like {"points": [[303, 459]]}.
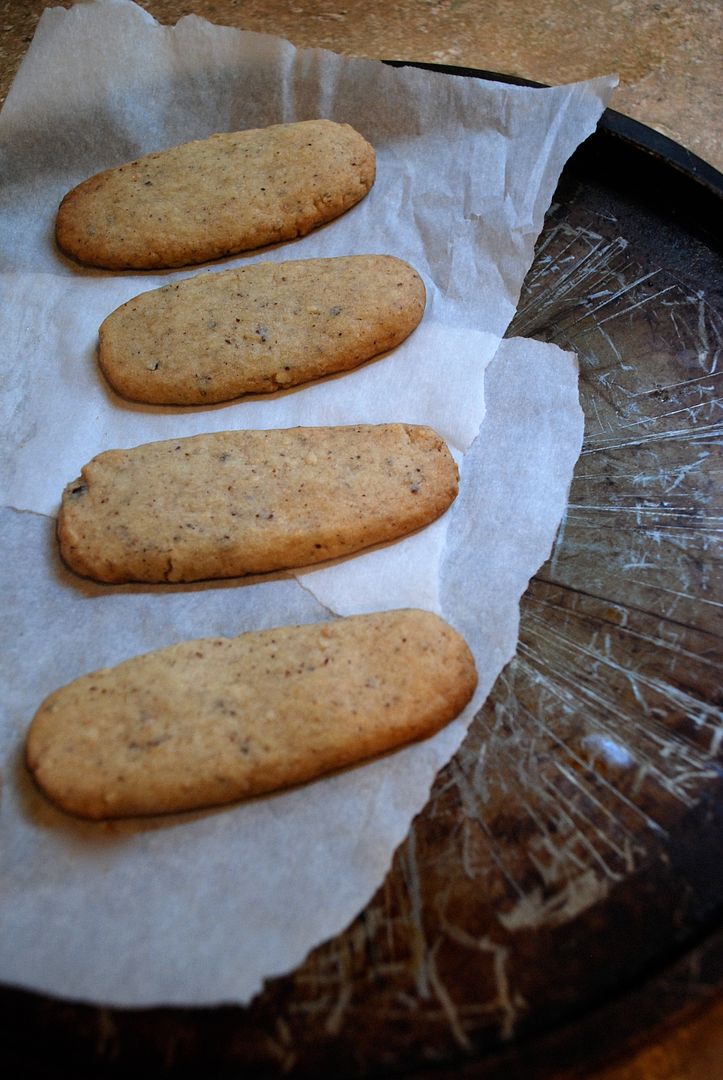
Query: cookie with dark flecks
{"points": [[249, 502], [212, 721], [258, 329], [202, 200]]}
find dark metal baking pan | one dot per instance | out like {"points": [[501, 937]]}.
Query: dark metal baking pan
{"points": [[556, 903]]}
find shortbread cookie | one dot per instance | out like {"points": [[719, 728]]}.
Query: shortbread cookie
{"points": [[212, 721], [232, 192], [249, 502], [258, 329]]}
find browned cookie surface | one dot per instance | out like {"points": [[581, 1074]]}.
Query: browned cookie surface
{"points": [[258, 329], [202, 200], [249, 502], [210, 721]]}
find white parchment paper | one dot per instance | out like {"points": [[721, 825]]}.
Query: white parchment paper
{"points": [[196, 908]]}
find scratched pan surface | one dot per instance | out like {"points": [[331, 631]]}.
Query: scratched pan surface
{"points": [[571, 851]]}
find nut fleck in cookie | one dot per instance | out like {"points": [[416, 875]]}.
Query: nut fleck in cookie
{"points": [[212, 721], [258, 329], [249, 502], [202, 200]]}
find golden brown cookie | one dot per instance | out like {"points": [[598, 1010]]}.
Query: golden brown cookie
{"points": [[211, 721], [258, 329], [249, 502], [202, 200]]}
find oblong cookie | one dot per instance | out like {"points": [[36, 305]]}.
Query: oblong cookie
{"points": [[201, 200], [212, 721], [249, 502], [259, 328]]}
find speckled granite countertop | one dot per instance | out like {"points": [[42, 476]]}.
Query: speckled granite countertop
{"points": [[666, 52]]}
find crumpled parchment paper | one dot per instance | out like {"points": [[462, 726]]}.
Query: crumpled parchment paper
{"points": [[197, 908]]}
